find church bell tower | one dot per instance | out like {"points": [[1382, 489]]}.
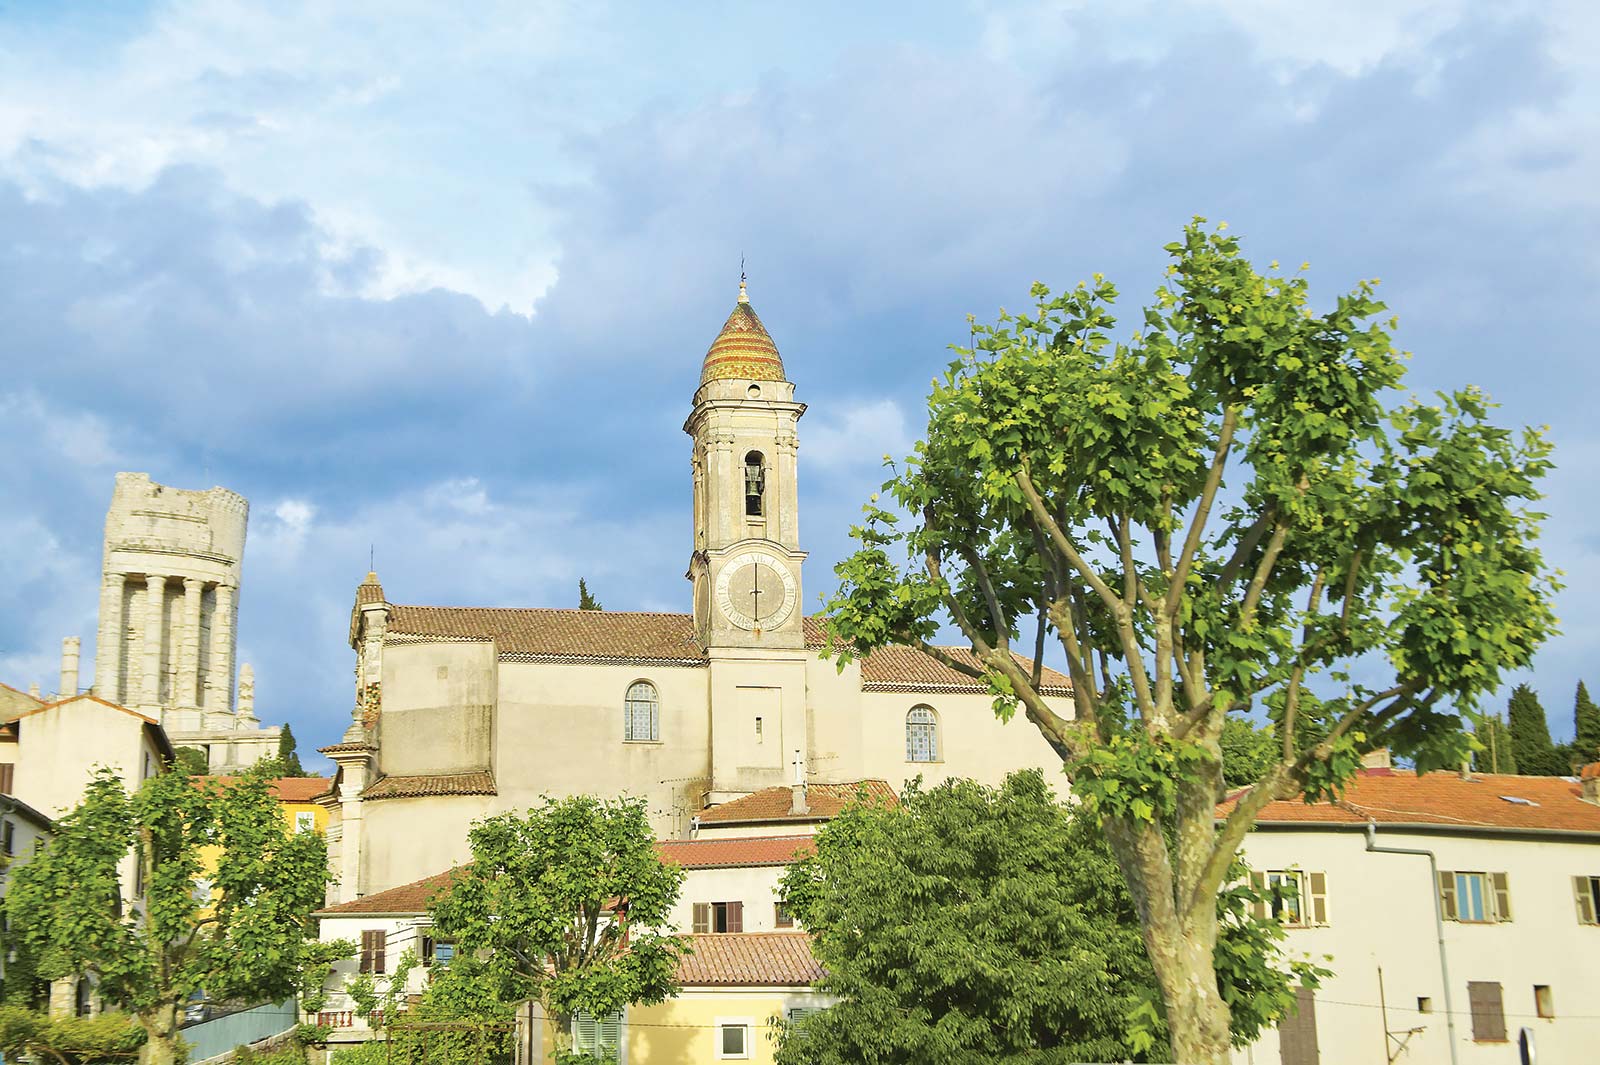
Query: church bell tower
{"points": [[745, 564]]}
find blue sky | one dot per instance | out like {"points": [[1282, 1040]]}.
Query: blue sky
{"points": [[440, 284]]}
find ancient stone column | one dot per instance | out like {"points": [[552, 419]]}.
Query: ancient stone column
{"points": [[155, 605], [188, 644], [109, 639], [69, 667], [219, 679]]}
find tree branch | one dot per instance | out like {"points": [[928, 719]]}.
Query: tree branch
{"points": [[1002, 627], [1291, 700], [1247, 545], [1258, 583], [1202, 510]]}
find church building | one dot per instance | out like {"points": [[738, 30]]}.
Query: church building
{"points": [[461, 712]]}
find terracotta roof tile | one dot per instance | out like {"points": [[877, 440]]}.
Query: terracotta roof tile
{"points": [[558, 634], [284, 789], [369, 591], [901, 668], [405, 899], [743, 349], [730, 853], [1476, 804], [777, 804], [749, 959], [416, 787], [345, 748]]}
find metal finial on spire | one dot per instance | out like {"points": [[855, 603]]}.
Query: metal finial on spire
{"points": [[744, 297]]}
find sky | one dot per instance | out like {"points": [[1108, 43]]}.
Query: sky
{"points": [[436, 286]]}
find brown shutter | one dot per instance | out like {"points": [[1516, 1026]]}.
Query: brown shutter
{"points": [[702, 918], [1319, 898], [1297, 1033], [1258, 884], [7, 771], [1583, 895], [1502, 896], [366, 952], [736, 917], [1447, 895], [380, 944], [1488, 1012]]}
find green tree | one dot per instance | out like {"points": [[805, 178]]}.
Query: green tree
{"points": [[1585, 726], [1248, 750], [1498, 754], [192, 760], [1531, 746], [585, 600], [238, 932], [288, 761], [569, 905], [1072, 487], [914, 913]]}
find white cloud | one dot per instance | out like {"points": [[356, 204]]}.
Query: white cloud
{"points": [[855, 434]]}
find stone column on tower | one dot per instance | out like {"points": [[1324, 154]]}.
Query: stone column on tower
{"points": [[109, 638], [154, 622], [188, 644], [219, 675], [788, 443]]}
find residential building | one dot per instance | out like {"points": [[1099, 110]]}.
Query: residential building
{"points": [[1515, 877]]}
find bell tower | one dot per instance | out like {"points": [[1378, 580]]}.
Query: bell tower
{"points": [[745, 562]]}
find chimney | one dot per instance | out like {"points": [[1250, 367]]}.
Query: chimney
{"points": [[69, 667], [1377, 759], [1589, 778], [797, 790]]}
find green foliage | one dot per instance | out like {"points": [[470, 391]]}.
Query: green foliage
{"points": [[192, 760], [288, 761], [312, 1035], [71, 1040], [1495, 751], [372, 1052], [1531, 746], [585, 600], [1247, 751], [971, 923], [531, 914], [1236, 505], [242, 938], [455, 1023], [389, 999], [316, 962], [1585, 726]]}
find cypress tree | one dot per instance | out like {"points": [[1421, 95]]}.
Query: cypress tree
{"points": [[288, 757], [1530, 736], [585, 600], [1585, 726], [1497, 755]]}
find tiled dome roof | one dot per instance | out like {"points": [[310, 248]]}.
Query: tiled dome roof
{"points": [[743, 350]]}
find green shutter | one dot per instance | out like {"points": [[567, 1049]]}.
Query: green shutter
{"points": [[1583, 895], [1318, 913]]}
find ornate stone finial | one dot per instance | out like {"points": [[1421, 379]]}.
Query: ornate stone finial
{"points": [[246, 708]]}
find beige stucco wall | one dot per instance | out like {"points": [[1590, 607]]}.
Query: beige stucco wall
{"points": [[756, 887], [1380, 911], [409, 839], [60, 749], [438, 708], [973, 742]]}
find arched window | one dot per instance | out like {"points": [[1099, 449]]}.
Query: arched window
{"points": [[755, 485], [641, 716], [922, 735]]}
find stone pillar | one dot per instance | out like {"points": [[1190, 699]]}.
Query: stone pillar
{"points": [[787, 496], [188, 644], [219, 677], [109, 639], [729, 478], [245, 713], [69, 667], [350, 789], [154, 615]]}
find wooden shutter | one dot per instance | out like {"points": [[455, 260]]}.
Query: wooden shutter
{"points": [[1583, 895], [1447, 895], [736, 917], [702, 918], [585, 1032], [1297, 1033], [609, 1035], [1317, 912], [1258, 884], [1502, 896], [1488, 1012], [7, 772], [373, 942], [366, 952]]}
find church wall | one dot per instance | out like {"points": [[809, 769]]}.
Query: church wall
{"points": [[559, 731], [833, 722], [409, 839], [758, 720], [438, 707], [972, 741]]}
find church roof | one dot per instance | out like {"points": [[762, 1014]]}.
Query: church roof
{"points": [[823, 801], [429, 785], [744, 349]]}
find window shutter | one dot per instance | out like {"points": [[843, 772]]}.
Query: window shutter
{"points": [[585, 1032], [1258, 884], [366, 951], [610, 1036], [702, 918], [380, 942], [1319, 898], [1488, 1012], [1502, 896], [1447, 895], [1584, 897], [7, 771], [736, 917]]}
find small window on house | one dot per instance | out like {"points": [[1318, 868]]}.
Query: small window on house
{"points": [[1293, 897], [84, 998], [641, 720], [437, 952], [755, 485], [1488, 1012], [733, 1040], [598, 1037], [800, 1013], [305, 821], [922, 735], [374, 942], [1474, 898], [1424, 1004], [8, 838], [782, 916], [712, 917], [1544, 1004], [1586, 893]]}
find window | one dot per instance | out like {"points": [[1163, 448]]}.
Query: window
{"points": [[800, 1013], [1424, 1004], [755, 485], [782, 917], [8, 838], [84, 996], [1544, 1004], [1474, 898], [922, 735], [718, 917], [305, 821], [373, 943], [1585, 892], [599, 1037], [437, 952], [733, 1038], [1488, 1012], [641, 718], [1295, 898]]}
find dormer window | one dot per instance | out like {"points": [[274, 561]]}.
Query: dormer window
{"points": [[755, 483]]}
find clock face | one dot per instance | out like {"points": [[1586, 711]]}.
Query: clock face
{"points": [[756, 591]]}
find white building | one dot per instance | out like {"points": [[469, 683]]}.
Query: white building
{"points": [[1515, 876]]}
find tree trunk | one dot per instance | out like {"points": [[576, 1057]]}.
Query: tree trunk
{"points": [[161, 1030], [1196, 1015]]}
